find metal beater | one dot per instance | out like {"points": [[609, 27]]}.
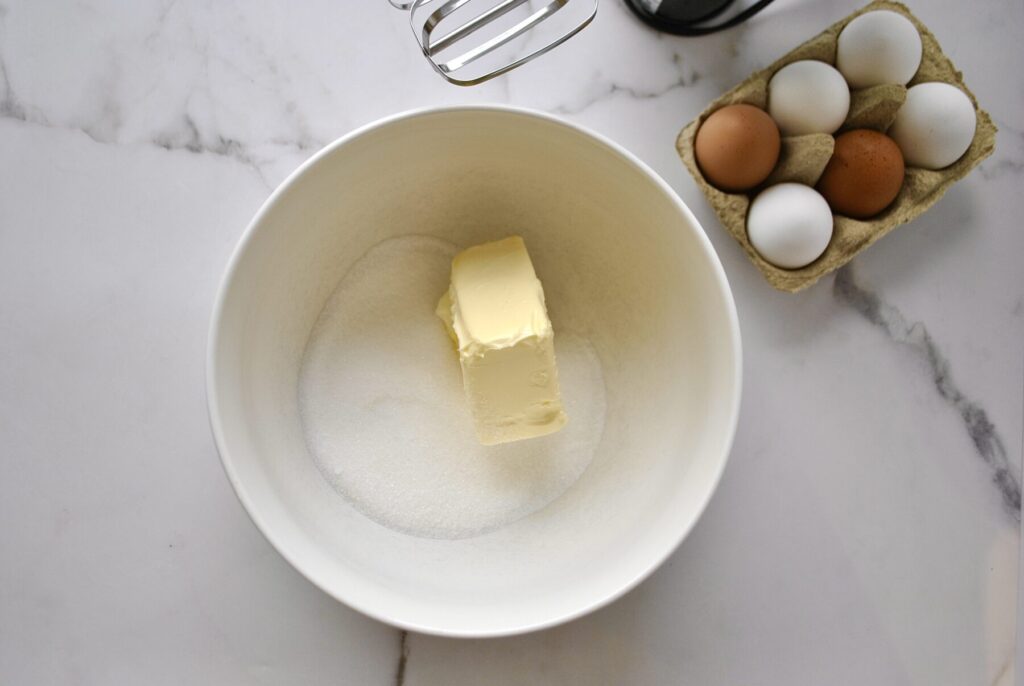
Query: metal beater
{"points": [[470, 41]]}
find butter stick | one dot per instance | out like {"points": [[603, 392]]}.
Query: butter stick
{"points": [[494, 311]]}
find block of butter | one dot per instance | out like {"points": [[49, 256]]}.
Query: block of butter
{"points": [[494, 311]]}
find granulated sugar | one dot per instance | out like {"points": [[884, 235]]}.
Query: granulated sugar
{"points": [[386, 420]]}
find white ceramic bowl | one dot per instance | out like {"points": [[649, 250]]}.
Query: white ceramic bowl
{"points": [[614, 246]]}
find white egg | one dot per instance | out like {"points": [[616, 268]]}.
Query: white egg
{"points": [[790, 225], [878, 47], [808, 97], [935, 125]]}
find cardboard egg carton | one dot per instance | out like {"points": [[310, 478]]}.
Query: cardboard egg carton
{"points": [[803, 158]]}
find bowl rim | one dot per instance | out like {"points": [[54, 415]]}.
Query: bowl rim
{"points": [[214, 399]]}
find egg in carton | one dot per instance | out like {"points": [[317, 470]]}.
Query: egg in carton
{"points": [[803, 158]]}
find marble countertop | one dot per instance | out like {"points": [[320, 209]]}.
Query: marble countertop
{"points": [[867, 527]]}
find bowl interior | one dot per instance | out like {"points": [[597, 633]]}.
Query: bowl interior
{"points": [[620, 258]]}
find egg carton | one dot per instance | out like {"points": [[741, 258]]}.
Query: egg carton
{"points": [[803, 158]]}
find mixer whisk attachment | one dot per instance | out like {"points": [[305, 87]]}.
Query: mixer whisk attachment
{"points": [[470, 41]]}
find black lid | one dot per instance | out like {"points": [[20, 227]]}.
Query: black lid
{"points": [[682, 17]]}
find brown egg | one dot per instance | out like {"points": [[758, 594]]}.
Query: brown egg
{"points": [[737, 147], [864, 175]]}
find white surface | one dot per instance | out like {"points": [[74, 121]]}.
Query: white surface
{"points": [[866, 546], [653, 301]]}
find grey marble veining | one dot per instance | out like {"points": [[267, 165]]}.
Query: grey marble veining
{"points": [[403, 657], [138, 139], [990, 447], [686, 78]]}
